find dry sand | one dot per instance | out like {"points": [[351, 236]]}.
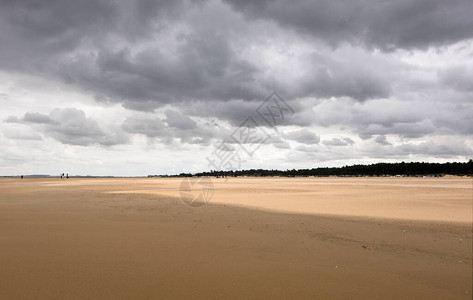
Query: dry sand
{"points": [[305, 238]]}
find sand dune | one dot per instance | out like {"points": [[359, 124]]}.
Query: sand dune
{"points": [[358, 238]]}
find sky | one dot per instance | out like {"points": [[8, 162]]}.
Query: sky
{"points": [[138, 87]]}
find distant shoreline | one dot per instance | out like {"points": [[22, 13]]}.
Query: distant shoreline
{"points": [[403, 169]]}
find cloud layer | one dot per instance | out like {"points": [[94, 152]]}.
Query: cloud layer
{"points": [[366, 80]]}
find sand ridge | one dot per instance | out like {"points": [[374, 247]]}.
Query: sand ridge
{"points": [[429, 199]]}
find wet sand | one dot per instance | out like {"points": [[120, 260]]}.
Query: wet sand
{"points": [[357, 238]]}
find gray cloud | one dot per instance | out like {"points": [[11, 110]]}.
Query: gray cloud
{"points": [[338, 142], [91, 45], [58, 26], [71, 126], [457, 77], [446, 148], [381, 139], [151, 127], [176, 126], [68, 126], [37, 118], [4, 97], [432, 148], [282, 145], [144, 54], [178, 120], [388, 25], [203, 66], [233, 111], [348, 75], [435, 149], [188, 73], [12, 119], [303, 136], [410, 130], [409, 119], [21, 132]]}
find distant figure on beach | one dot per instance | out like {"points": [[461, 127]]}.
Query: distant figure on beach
{"points": [[67, 176], [62, 175], [21, 176]]}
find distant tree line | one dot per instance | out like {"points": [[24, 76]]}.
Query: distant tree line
{"points": [[379, 169]]}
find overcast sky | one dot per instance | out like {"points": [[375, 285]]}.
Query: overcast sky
{"points": [[155, 87]]}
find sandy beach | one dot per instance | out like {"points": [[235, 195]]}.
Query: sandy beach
{"points": [[297, 238]]}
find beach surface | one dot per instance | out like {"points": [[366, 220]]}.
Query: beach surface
{"points": [[281, 238]]}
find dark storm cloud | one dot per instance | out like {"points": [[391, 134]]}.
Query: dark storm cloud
{"points": [[96, 45], [57, 26], [47, 28], [344, 76], [145, 54], [204, 66], [208, 65], [382, 24]]}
